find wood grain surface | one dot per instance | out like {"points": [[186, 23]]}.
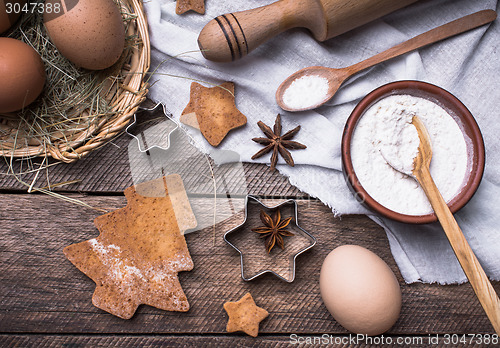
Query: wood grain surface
{"points": [[46, 301], [265, 341], [43, 293], [94, 174]]}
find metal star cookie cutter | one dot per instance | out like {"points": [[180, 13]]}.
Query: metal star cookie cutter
{"points": [[153, 133], [254, 258]]}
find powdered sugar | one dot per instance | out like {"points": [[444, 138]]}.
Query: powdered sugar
{"points": [[121, 272], [129, 278], [386, 130], [101, 248], [306, 91]]}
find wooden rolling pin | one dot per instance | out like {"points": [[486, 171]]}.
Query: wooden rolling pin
{"points": [[234, 35]]}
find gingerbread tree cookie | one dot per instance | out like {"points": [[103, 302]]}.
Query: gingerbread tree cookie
{"points": [[140, 250]]}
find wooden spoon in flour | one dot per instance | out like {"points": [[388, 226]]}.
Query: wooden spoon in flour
{"points": [[335, 77], [471, 266]]}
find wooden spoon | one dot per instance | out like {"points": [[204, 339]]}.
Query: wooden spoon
{"points": [[336, 77], [471, 266]]}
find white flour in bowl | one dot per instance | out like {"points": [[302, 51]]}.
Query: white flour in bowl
{"points": [[399, 140], [385, 129]]}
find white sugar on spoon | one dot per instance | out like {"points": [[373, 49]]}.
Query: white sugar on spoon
{"points": [[306, 91], [335, 77]]}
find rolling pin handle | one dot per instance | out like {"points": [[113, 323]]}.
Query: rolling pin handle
{"points": [[234, 35], [231, 36], [223, 39]]}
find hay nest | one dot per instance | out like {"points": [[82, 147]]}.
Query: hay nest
{"points": [[79, 110]]}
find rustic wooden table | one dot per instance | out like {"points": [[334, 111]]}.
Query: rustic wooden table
{"points": [[45, 300]]}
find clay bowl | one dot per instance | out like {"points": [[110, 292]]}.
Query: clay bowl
{"points": [[455, 108]]}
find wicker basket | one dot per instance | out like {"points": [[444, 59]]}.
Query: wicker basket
{"points": [[124, 95]]}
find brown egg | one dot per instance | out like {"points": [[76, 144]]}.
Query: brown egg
{"points": [[22, 75], [360, 290], [90, 34], [9, 13]]}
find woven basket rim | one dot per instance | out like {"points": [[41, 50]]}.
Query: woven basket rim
{"points": [[125, 100]]}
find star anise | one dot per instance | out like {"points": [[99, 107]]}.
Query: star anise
{"points": [[277, 143], [274, 229]]}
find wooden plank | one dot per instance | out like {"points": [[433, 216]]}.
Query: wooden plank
{"points": [[42, 292], [94, 174], [119, 164], [231, 341]]}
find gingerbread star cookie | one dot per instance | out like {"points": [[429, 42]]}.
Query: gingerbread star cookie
{"points": [[244, 315], [140, 250], [190, 5], [213, 111]]}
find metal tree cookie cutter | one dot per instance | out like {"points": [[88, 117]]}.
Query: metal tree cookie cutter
{"points": [[255, 260], [158, 134]]}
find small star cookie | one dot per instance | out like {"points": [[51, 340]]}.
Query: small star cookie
{"points": [[190, 5], [244, 315], [213, 111]]}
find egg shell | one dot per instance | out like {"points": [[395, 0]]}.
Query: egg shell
{"points": [[360, 290], [22, 74], [8, 19], [90, 34]]}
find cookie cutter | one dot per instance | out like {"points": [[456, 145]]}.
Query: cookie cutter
{"points": [[307, 235], [142, 143]]}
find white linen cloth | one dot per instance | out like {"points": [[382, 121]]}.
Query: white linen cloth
{"points": [[467, 65]]}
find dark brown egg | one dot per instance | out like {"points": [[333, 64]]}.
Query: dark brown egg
{"points": [[90, 34], [22, 75], [10, 11]]}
